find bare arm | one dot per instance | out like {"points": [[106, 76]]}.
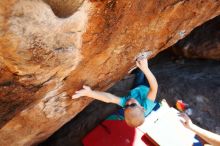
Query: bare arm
{"points": [[102, 96], [143, 65], [211, 138], [208, 136]]}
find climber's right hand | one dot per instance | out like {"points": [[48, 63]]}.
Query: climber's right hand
{"points": [[142, 64]]}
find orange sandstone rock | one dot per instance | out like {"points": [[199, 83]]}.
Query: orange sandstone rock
{"points": [[48, 51]]}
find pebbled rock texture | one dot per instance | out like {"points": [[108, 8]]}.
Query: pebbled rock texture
{"points": [[47, 52]]}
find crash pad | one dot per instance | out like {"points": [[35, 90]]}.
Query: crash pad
{"points": [[116, 133]]}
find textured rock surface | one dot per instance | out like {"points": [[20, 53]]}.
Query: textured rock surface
{"points": [[203, 42], [193, 81], [44, 59]]}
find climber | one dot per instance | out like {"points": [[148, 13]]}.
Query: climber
{"points": [[138, 104], [211, 138]]}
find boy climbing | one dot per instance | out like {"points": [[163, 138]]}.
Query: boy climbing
{"points": [[138, 104]]}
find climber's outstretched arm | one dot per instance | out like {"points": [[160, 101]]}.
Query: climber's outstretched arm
{"points": [[143, 65], [102, 96]]}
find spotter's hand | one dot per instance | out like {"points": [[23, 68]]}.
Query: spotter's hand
{"points": [[185, 120], [85, 91]]}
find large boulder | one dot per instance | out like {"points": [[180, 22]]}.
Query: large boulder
{"points": [[48, 52]]}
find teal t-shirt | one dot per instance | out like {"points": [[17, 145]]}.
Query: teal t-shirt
{"points": [[140, 94]]}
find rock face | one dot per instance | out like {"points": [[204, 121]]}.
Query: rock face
{"points": [[193, 81], [202, 42], [47, 52]]}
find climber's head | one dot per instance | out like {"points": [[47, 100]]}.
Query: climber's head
{"points": [[134, 113]]}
